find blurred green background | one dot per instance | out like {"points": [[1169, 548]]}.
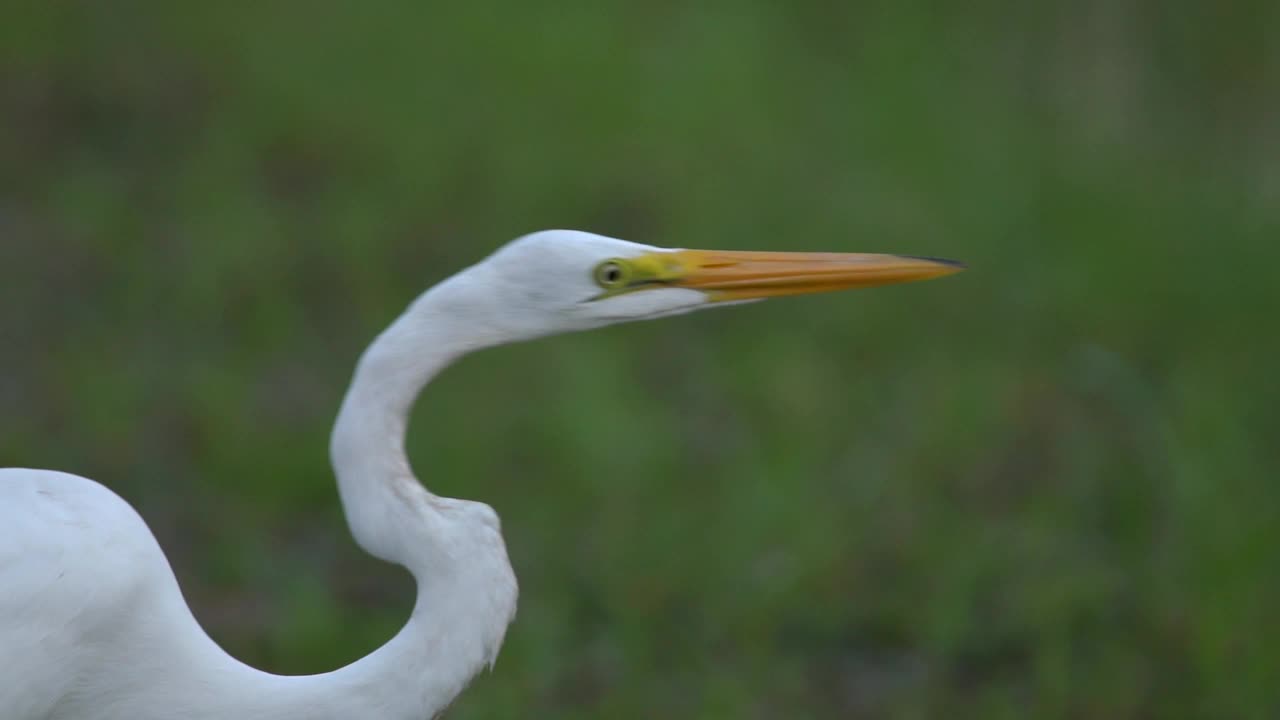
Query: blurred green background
{"points": [[1042, 488]]}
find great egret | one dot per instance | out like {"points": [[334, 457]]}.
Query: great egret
{"points": [[94, 626]]}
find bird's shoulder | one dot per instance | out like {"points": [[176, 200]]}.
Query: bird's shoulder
{"points": [[68, 537], [76, 563]]}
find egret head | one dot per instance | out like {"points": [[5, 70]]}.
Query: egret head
{"points": [[565, 280]]}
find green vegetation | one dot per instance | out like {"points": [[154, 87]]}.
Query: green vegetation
{"points": [[1043, 488]]}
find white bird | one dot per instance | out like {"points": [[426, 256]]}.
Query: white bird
{"points": [[93, 625]]}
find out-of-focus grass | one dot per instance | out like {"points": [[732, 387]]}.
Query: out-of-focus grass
{"points": [[1044, 488]]}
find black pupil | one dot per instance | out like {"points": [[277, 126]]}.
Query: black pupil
{"points": [[612, 273]]}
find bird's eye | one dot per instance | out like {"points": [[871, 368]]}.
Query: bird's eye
{"points": [[611, 274]]}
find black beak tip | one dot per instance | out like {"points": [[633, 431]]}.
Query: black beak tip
{"points": [[941, 261]]}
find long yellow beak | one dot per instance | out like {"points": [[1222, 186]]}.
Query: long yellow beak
{"points": [[736, 275]]}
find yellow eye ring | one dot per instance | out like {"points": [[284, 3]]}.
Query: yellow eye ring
{"points": [[611, 274]]}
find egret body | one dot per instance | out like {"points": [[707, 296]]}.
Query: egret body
{"points": [[93, 625]]}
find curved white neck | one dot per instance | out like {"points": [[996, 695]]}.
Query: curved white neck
{"points": [[466, 589], [367, 447], [392, 516]]}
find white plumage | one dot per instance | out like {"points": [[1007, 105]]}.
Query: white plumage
{"points": [[93, 625]]}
